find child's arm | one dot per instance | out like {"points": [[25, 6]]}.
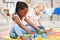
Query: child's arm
{"points": [[31, 23], [18, 21]]}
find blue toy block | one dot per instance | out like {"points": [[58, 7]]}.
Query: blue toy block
{"points": [[43, 35]]}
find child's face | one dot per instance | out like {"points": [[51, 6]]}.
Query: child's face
{"points": [[41, 8], [37, 10], [22, 12]]}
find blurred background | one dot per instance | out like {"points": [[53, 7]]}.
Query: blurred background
{"points": [[50, 18]]}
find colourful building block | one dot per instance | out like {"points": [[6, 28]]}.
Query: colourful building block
{"points": [[43, 35], [36, 39], [26, 35], [40, 38]]}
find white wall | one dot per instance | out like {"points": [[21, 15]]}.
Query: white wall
{"points": [[56, 3]]}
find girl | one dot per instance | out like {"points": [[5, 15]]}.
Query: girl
{"points": [[35, 16], [20, 20]]}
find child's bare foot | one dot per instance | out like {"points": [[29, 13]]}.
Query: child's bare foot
{"points": [[46, 31]]}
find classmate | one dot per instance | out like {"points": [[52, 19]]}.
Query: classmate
{"points": [[1, 10], [35, 16], [19, 18]]}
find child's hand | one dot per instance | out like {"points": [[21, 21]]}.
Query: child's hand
{"points": [[40, 32], [31, 32]]}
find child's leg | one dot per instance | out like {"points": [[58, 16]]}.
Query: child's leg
{"points": [[45, 31], [17, 31], [41, 27], [31, 28], [13, 35]]}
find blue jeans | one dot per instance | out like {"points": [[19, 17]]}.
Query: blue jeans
{"points": [[18, 31], [41, 27]]}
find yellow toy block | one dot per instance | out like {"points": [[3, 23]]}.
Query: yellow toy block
{"points": [[36, 39], [40, 38]]}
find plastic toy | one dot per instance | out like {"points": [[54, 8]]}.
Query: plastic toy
{"points": [[40, 38], [32, 37], [26, 35], [40, 32], [36, 35], [43, 35], [36, 39], [46, 39]]}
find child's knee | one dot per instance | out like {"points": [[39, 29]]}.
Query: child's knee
{"points": [[13, 35], [42, 27]]}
